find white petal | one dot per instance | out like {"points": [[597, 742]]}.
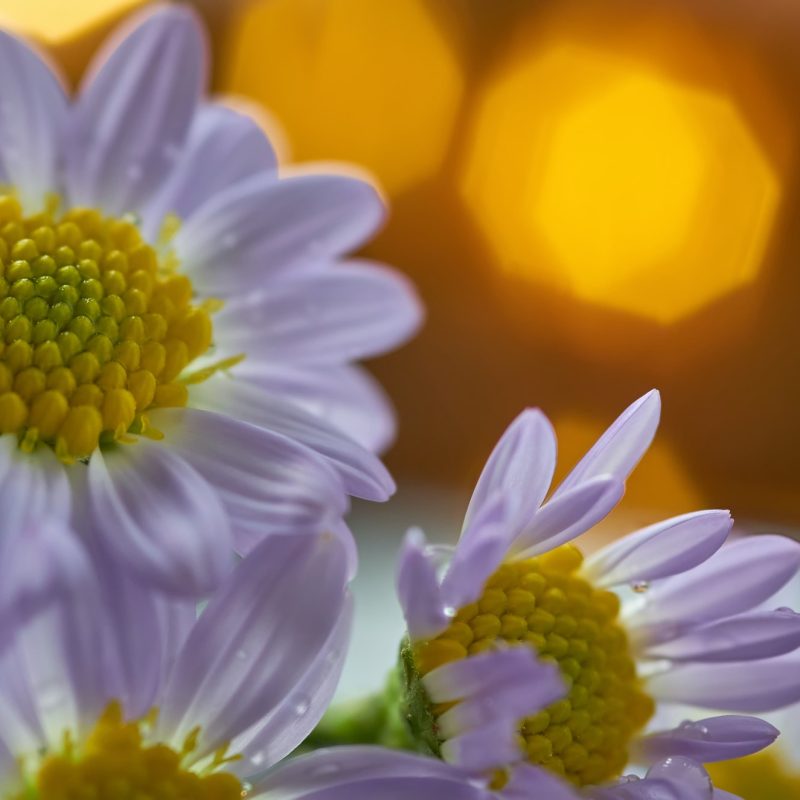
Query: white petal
{"points": [[33, 111], [239, 239], [152, 511], [223, 148], [563, 518], [133, 111], [362, 472], [658, 551], [256, 639], [621, 447], [521, 467], [349, 311], [346, 395]]}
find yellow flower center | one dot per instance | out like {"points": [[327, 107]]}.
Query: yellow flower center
{"points": [[95, 329], [542, 603], [762, 776], [115, 763]]}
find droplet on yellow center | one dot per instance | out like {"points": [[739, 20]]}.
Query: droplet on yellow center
{"points": [[93, 331], [116, 762], [542, 603]]}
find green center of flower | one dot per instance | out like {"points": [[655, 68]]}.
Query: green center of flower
{"points": [[543, 604], [116, 763], [95, 329]]}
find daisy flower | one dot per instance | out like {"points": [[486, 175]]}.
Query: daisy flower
{"points": [[111, 691], [663, 615], [161, 284], [773, 774]]}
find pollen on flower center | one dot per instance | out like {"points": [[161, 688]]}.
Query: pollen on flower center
{"points": [[542, 603], [116, 763], [94, 329]]}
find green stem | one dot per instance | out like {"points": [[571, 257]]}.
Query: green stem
{"points": [[399, 717]]}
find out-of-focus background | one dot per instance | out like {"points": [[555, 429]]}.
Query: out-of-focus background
{"points": [[594, 197]]}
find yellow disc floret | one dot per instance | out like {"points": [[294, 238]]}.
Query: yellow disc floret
{"points": [[116, 763], [542, 603], [94, 329], [762, 776]]}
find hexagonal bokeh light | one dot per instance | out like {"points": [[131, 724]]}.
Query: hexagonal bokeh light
{"points": [[371, 82], [605, 178], [70, 30]]}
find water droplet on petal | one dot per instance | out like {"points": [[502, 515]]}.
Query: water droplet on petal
{"points": [[685, 773], [449, 612], [300, 704], [257, 759], [640, 587]]}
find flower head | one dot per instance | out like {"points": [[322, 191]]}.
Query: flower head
{"points": [[664, 615], [177, 324], [112, 691]]}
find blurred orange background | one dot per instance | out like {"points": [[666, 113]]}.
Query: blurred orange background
{"points": [[594, 197]]}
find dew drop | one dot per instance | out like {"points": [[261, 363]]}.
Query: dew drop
{"points": [[300, 704], [783, 611], [640, 587], [449, 612], [246, 789], [257, 759]]}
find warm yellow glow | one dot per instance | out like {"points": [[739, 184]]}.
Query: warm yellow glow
{"points": [[54, 21], [600, 176], [373, 83]]}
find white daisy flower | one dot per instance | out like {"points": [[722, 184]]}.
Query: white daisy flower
{"points": [[177, 324]]}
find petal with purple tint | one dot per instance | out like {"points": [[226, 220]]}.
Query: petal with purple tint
{"points": [[451, 788], [527, 782], [134, 110], [39, 562], [492, 746], [477, 674], [346, 395], [748, 636], [223, 148], [479, 553], [361, 471], [147, 630], [661, 550], [346, 767], [348, 311], [621, 447], [291, 722], [31, 484], [266, 225], [513, 699], [256, 639], [520, 467], [747, 686], [566, 517], [154, 512], [712, 739], [32, 118], [741, 575], [266, 482], [418, 589]]}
